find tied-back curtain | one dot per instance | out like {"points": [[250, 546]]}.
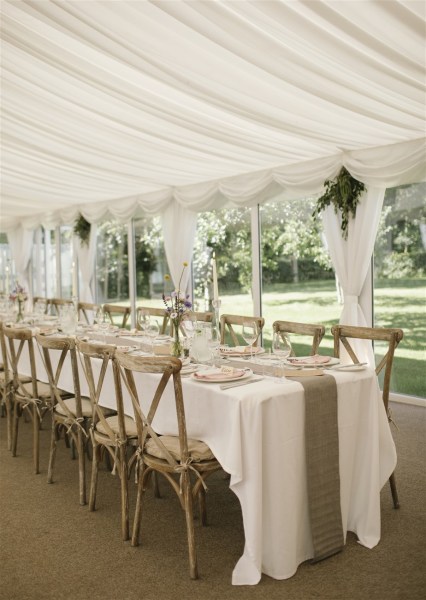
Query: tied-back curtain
{"points": [[21, 245], [179, 226], [351, 258], [86, 264]]}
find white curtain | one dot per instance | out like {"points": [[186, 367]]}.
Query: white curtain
{"points": [[179, 226], [86, 264], [21, 245], [351, 257]]}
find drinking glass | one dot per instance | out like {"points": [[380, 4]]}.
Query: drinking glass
{"points": [[101, 320], [250, 334], [144, 319], [281, 348], [213, 342], [152, 332]]}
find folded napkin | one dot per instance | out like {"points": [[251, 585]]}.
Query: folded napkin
{"points": [[317, 359], [224, 374]]}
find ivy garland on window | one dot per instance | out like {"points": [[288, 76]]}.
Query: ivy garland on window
{"points": [[82, 230], [343, 193]]}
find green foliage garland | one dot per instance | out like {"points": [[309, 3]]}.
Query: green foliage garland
{"points": [[343, 193], [82, 229]]}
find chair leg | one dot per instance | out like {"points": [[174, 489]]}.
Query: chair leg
{"points": [[94, 479], [156, 485], [81, 467], [9, 417], [124, 494], [36, 440], [189, 515], [16, 415], [138, 509], [394, 491], [202, 506], [52, 454]]}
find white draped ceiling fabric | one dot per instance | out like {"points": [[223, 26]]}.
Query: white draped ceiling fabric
{"points": [[117, 109]]}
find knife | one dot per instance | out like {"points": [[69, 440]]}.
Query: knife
{"points": [[226, 386], [337, 367]]}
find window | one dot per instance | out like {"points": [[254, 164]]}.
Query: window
{"points": [[298, 283], [400, 283], [66, 261], [151, 263], [227, 233], [112, 273]]}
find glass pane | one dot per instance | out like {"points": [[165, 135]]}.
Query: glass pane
{"points": [[400, 283], [151, 263], [5, 266], [112, 273], [50, 250], [298, 280], [227, 233], [66, 262]]}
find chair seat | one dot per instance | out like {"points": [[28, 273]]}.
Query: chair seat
{"points": [[198, 451], [86, 407], [22, 378], [44, 390], [129, 424]]}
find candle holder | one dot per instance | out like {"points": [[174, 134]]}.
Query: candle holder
{"points": [[75, 304], [216, 316]]}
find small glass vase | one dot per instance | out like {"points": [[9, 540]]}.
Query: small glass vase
{"points": [[176, 347], [20, 315]]}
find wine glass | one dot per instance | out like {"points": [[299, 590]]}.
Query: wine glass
{"points": [[101, 320], [213, 342], [250, 334], [144, 319], [281, 348], [152, 331]]}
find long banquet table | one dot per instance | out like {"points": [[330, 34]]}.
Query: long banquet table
{"points": [[257, 434]]}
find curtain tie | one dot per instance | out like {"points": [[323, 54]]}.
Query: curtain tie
{"points": [[351, 299]]}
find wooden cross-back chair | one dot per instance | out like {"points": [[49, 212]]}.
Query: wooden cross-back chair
{"points": [[42, 301], [316, 332], [57, 303], [6, 386], [175, 457], [87, 311], [69, 415], [33, 396], [122, 312], [343, 333], [227, 323], [160, 314], [114, 433]]}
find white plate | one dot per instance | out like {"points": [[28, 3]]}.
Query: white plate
{"points": [[231, 353], [188, 369], [332, 361], [248, 374]]}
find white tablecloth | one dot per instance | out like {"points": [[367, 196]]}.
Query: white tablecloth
{"points": [[257, 434]]}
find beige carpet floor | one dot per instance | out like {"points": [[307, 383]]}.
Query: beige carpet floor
{"points": [[53, 549]]}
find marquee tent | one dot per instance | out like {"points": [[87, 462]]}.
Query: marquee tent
{"points": [[122, 108]]}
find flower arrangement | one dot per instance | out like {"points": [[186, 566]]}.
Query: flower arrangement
{"points": [[343, 193], [18, 294], [177, 305]]}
